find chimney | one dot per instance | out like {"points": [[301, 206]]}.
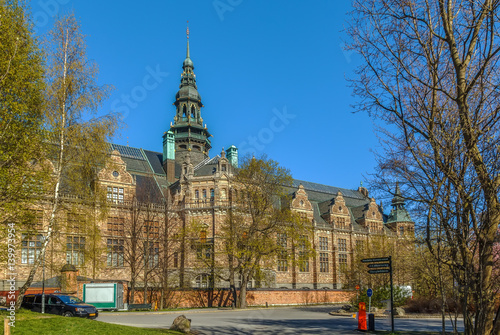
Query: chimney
{"points": [[232, 156], [169, 155]]}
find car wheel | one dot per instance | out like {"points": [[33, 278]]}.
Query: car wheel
{"points": [[68, 314]]}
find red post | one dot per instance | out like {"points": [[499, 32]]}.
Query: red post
{"points": [[362, 316]]}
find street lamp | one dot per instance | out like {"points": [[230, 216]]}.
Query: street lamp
{"points": [[42, 239]]}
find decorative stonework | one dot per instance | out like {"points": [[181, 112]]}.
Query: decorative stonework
{"points": [[300, 200]]}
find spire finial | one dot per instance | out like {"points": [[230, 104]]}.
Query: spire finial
{"points": [[398, 191], [187, 35]]}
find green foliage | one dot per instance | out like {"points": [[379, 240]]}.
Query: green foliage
{"points": [[75, 141], [259, 212], [21, 113], [380, 297]]}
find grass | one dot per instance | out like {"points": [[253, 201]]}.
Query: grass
{"points": [[31, 323]]}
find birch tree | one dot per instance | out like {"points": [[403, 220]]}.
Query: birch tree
{"points": [[75, 139]]}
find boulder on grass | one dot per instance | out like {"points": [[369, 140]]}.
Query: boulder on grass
{"points": [[181, 324]]}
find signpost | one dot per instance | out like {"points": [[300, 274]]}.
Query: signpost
{"points": [[379, 271], [382, 268], [369, 294]]}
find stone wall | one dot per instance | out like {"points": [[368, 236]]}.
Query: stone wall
{"points": [[258, 297]]}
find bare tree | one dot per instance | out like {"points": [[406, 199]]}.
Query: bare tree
{"points": [[430, 71], [169, 250]]}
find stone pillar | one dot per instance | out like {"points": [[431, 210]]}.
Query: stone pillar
{"points": [[69, 283]]}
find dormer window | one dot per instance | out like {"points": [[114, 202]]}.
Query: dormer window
{"points": [[223, 167]]}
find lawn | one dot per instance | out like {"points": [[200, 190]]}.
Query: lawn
{"points": [[30, 323]]}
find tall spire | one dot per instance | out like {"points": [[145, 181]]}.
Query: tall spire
{"points": [[398, 202], [191, 138], [187, 35]]}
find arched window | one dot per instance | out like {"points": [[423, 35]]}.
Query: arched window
{"points": [[193, 111], [203, 280], [197, 194], [204, 194], [184, 111], [212, 194]]}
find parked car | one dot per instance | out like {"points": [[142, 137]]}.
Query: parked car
{"points": [[60, 304]]}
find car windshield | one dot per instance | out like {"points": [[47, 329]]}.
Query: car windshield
{"points": [[70, 300]]}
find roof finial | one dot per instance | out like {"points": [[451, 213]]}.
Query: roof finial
{"points": [[187, 34]]}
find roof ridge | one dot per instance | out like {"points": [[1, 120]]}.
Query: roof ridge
{"points": [[203, 162], [308, 185]]}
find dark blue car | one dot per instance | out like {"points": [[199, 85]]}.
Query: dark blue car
{"points": [[60, 304]]}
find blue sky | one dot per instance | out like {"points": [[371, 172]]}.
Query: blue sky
{"points": [[271, 74]]}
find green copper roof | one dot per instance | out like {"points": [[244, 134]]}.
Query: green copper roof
{"points": [[398, 212]]}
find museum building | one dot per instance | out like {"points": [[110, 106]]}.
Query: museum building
{"points": [[160, 193]]}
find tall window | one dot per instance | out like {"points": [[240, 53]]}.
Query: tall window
{"points": [[75, 249], [323, 243], [74, 222], [204, 192], [342, 244], [282, 253], [115, 252], [212, 194], [115, 246], [151, 230], [197, 195], [303, 255], [116, 226], [343, 262], [31, 247], [341, 223], [115, 195], [151, 254], [323, 262], [38, 220], [176, 259], [204, 248]]}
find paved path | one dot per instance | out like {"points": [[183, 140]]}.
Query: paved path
{"points": [[281, 320]]}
